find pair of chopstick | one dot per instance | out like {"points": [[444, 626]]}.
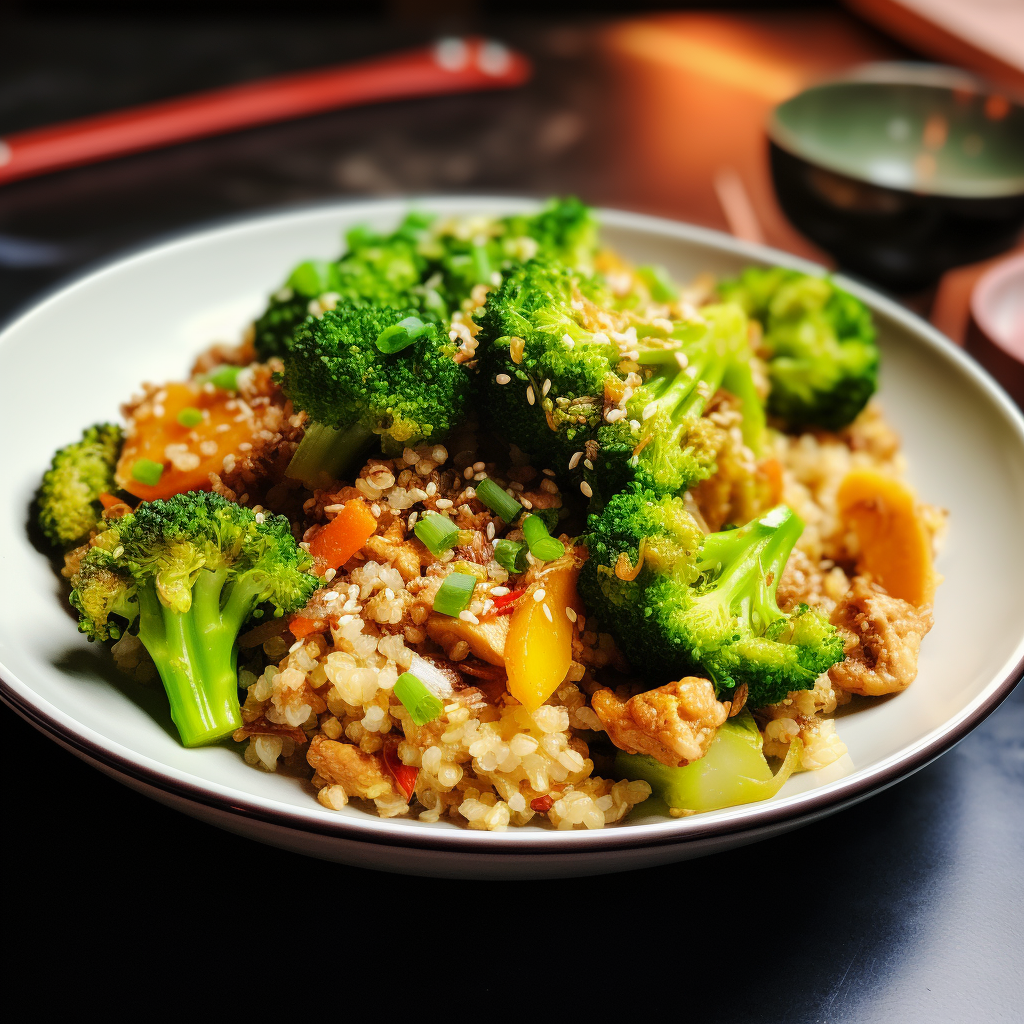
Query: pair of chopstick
{"points": [[450, 66]]}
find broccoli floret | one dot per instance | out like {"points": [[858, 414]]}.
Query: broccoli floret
{"points": [[190, 571], [537, 335], [470, 251], [662, 443], [430, 270], [352, 390], [377, 270], [703, 605], [820, 344], [68, 497], [532, 331]]}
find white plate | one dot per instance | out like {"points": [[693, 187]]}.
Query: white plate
{"points": [[76, 355]]}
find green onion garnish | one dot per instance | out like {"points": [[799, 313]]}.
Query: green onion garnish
{"points": [[455, 593], [190, 416], [417, 699], [438, 532], [312, 278], [404, 333], [542, 544], [510, 555], [659, 282], [225, 377], [498, 501], [146, 471]]}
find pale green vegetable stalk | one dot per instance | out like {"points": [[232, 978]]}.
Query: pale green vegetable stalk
{"points": [[733, 771]]}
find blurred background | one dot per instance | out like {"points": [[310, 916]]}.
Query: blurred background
{"points": [[655, 107]]}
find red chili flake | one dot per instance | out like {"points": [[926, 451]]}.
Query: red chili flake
{"points": [[404, 774], [542, 804]]}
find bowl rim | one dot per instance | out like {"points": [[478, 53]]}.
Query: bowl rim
{"points": [[908, 73], [752, 817]]}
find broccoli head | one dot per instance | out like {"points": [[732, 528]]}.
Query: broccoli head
{"points": [[819, 341], [681, 603], [662, 443], [538, 336], [376, 270], [68, 499], [632, 406], [190, 572], [470, 251], [365, 371]]}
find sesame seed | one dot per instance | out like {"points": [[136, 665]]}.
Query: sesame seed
{"points": [[413, 516], [443, 503], [469, 492], [333, 508], [539, 595], [329, 575], [547, 386], [490, 531], [503, 378], [588, 464], [469, 617], [375, 509], [548, 472], [529, 394], [570, 613], [479, 466], [682, 360], [431, 489], [468, 472], [575, 460], [389, 593], [587, 490], [331, 595], [499, 591], [525, 502], [649, 410], [634, 424], [547, 613], [478, 477], [614, 415]]}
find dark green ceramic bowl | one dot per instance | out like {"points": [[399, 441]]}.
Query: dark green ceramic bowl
{"points": [[901, 171]]}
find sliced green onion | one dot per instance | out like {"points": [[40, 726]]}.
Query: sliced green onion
{"points": [[146, 471], [481, 264], [312, 278], [190, 416], [510, 555], [225, 377], [455, 593], [438, 532], [498, 501], [542, 544], [404, 333], [417, 699], [659, 283]]}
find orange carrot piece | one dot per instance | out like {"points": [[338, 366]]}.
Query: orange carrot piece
{"points": [[301, 626], [108, 500], [343, 536], [771, 471], [156, 425]]}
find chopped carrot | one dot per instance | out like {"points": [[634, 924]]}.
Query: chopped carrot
{"points": [[108, 500], [404, 774], [301, 626], [771, 471], [343, 536], [202, 448]]}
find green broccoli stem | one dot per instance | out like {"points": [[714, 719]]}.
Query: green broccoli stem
{"points": [[748, 563], [325, 453], [195, 654]]}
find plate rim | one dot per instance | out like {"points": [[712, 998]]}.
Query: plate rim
{"points": [[90, 745]]}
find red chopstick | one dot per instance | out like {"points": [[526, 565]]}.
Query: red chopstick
{"points": [[452, 65]]}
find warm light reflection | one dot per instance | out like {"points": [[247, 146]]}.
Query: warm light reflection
{"points": [[734, 62]]}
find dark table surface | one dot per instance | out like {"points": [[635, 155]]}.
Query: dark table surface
{"points": [[905, 908]]}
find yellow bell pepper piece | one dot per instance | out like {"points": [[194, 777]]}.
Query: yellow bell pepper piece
{"points": [[895, 545], [538, 650]]}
